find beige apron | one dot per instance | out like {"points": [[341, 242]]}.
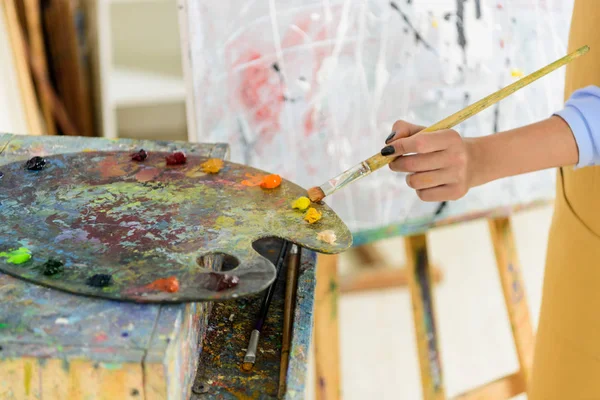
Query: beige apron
{"points": [[567, 355]]}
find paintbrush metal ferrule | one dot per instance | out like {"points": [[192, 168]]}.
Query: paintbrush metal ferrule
{"points": [[353, 174], [250, 356]]}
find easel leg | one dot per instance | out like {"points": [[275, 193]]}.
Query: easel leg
{"points": [[513, 288], [326, 334], [420, 283]]}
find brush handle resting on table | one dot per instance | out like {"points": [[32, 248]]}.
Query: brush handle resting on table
{"points": [[377, 161]]}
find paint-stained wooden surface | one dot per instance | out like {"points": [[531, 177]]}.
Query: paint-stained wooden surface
{"points": [[326, 332], [74, 346], [421, 284], [220, 375], [54, 345]]}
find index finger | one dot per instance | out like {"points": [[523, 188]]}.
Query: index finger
{"points": [[402, 129], [425, 142]]}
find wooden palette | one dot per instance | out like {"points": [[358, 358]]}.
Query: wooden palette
{"points": [[102, 213]]}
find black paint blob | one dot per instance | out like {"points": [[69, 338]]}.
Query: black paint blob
{"points": [[1, 174], [140, 155], [35, 164], [52, 267], [99, 280]]}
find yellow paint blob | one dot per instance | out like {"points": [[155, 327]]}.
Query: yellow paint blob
{"points": [[224, 222], [327, 236], [312, 216], [301, 203], [516, 73], [434, 23], [212, 166]]}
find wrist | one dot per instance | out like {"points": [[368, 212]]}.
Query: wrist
{"points": [[479, 171]]}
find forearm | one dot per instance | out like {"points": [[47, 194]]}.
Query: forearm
{"points": [[572, 137], [546, 144]]}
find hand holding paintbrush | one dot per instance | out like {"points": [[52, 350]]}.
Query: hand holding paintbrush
{"points": [[377, 161]]}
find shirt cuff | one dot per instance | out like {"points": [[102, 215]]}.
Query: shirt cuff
{"points": [[573, 117]]}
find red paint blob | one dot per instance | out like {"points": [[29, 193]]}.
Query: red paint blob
{"points": [[170, 284], [176, 158], [100, 337]]}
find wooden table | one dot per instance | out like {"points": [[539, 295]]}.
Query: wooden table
{"points": [[55, 345]]}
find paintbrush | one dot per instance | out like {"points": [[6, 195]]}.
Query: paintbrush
{"points": [[291, 285], [377, 161], [250, 357]]}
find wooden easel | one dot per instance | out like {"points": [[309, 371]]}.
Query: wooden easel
{"points": [[420, 277], [377, 272]]}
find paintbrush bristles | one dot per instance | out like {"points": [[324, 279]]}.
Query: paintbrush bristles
{"points": [[316, 194], [377, 161]]}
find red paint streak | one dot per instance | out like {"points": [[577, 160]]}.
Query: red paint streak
{"points": [[261, 94], [170, 284], [499, 6], [501, 43], [100, 337]]}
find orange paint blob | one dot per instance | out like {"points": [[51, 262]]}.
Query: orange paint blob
{"points": [[212, 166], [254, 180], [270, 181], [170, 284]]}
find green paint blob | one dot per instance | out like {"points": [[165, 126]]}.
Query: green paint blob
{"points": [[111, 366], [3, 325], [18, 256]]}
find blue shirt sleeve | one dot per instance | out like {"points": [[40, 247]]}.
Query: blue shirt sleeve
{"points": [[582, 114]]}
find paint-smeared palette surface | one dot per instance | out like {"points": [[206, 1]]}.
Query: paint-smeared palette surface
{"points": [[105, 225]]}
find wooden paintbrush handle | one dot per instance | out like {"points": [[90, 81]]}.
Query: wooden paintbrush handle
{"points": [[377, 161]]}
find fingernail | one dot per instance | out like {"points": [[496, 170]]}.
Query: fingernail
{"points": [[390, 137], [388, 151]]}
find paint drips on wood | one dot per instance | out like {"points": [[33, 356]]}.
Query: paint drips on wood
{"points": [[177, 158], [139, 156], [212, 166], [99, 280], [52, 267], [35, 164], [18, 256], [170, 285]]}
